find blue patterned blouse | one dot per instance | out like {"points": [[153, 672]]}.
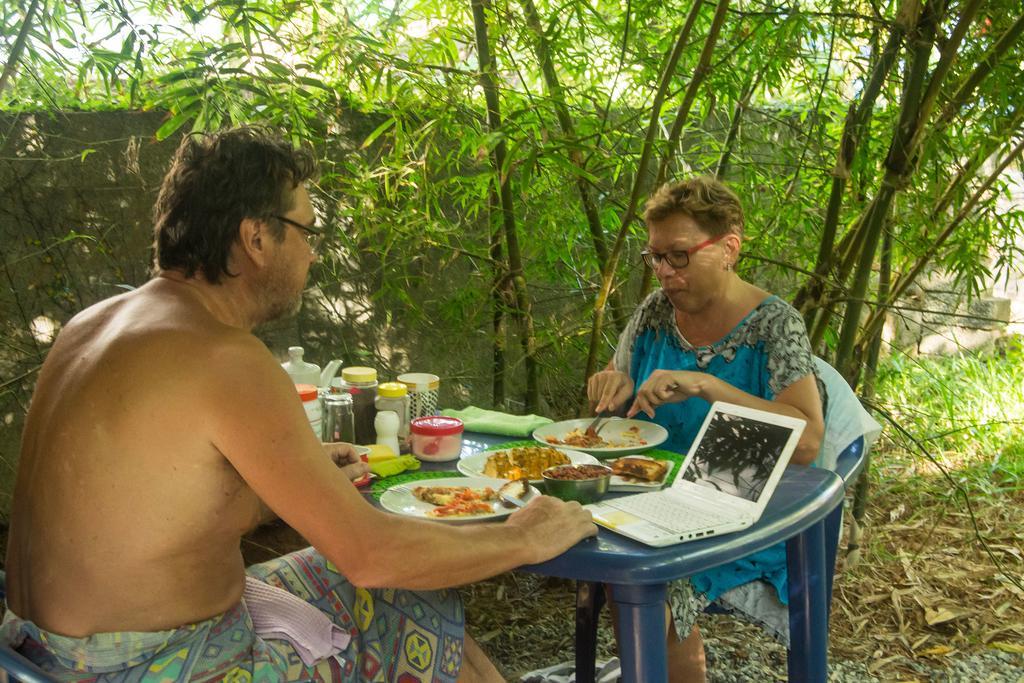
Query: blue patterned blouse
{"points": [[765, 353]]}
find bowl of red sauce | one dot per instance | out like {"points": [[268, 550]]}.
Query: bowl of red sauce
{"points": [[582, 482]]}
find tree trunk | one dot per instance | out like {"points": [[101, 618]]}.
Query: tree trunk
{"points": [[518, 281]]}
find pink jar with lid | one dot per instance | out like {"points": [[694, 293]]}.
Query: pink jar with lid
{"points": [[435, 438]]}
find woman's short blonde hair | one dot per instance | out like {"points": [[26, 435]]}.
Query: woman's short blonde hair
{"points": [[708, 201]]}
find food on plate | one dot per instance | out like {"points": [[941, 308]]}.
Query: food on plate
{"points": [[577, 437], [523, 463], [577, 472], [581, 439], [640, 468], [517, 488], [457, 501]]}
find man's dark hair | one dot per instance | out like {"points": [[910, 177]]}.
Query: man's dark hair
{"points": [[215, 181]]}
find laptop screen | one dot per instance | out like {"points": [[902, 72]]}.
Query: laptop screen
{"points": [[737, 455]]}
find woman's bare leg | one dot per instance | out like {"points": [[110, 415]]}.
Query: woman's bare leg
{"points": [[686, 662], [476, 666]]}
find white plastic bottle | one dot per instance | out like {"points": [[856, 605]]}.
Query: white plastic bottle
{"points": [[301, 372], [311, 404], [386, 425]]}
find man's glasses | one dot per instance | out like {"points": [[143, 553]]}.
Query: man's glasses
{"points": [[314, 237], [675, 259]]}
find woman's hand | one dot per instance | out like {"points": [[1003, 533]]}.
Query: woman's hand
{"points": [[608, 390], [344, 456], [667, 386]]}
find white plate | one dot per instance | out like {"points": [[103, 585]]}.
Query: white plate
{"points": [[630, 484], [614, 430], [473, 465], [400, 500]]}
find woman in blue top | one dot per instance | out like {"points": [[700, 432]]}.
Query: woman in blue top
{"points": [[706, 335]]}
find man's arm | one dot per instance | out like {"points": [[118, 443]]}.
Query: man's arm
{"points": [[262, 430]]}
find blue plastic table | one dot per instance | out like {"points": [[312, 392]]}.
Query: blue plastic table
{"points": [[639, 574]]}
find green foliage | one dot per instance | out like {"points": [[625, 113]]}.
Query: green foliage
{"points": [[965, 409], [414, 197]]}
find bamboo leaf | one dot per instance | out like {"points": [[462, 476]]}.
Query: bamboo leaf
{"points": [[173, 124], [377, 132]]}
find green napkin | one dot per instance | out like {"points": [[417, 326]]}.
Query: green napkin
{"points": [[495, 422]]}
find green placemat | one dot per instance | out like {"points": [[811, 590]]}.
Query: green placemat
{"points": [[378, 487], [656, 453]]}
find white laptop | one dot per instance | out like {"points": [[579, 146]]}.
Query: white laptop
{"points": [[723, 485]]}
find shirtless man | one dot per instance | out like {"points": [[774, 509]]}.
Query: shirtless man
{"points": [[160, 427]]}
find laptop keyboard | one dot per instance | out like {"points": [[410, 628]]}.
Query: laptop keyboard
{"points": [[665, 511]]}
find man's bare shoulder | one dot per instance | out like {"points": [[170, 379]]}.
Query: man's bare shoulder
{"points": [[161, 327]]}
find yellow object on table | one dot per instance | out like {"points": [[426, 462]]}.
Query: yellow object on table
{"points": [[388, 467], [379, 451]]}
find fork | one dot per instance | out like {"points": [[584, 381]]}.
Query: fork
{"points": [[592, 429]]}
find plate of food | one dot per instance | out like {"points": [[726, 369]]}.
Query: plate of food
{"points": [[454, 499], [638, 473], [616, 436], [522, 462]]}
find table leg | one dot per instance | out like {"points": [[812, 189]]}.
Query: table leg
{"points": [[589, 599], [808, 606], [642, 629]]}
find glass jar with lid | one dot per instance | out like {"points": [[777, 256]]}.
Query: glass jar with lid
{"points": [[394, 396], [361, 383]]}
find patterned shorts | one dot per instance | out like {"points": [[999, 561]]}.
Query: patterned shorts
{"points": [[399, 636]]}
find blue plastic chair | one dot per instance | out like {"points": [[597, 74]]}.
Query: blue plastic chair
{"points": [[590, 596], [15, 666]]}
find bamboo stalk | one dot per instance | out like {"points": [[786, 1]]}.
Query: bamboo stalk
{"points": [[898, 167], [19, 45], [565, 121], [857, 117], [522, 303], [734, 124], [499, 293], [946, 58], [973, 164], [904, 281], [699, 75], [981, 71], [664, 81]]}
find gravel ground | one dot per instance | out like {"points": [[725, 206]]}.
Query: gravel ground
{"points": [[727, 666], [744, 654]]}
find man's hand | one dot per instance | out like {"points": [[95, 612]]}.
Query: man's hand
{"points": [[552, 526], [667, 386], [344, 456], [608, 390]]}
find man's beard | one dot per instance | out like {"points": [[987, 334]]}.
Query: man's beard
{"points": [[277, 296]]}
